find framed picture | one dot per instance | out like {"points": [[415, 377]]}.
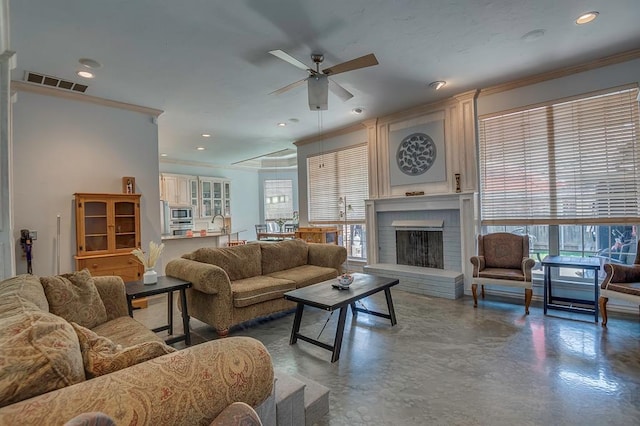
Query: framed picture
{"points": [[417, 152], [128, 185]]}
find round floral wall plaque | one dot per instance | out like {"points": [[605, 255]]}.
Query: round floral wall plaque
{"points": [[416, 154]]}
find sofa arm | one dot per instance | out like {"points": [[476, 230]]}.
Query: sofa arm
{"points": [[620, 274], [527, 266], [327, 255], [478, 264], [237, 414], [207, 278], [113, 295], [188, 387]]}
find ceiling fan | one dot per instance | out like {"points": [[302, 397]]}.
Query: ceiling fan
{"points": [[318, 82]]}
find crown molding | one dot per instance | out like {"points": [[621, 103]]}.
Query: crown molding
{"points": [[52, 91], [562, 72], [332, 134]]}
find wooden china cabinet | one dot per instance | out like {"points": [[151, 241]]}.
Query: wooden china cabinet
{"points": [[107, 229]]}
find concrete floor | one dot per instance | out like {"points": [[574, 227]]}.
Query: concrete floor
{"points": [[446, 363]]}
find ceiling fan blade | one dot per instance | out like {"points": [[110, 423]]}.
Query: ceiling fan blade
{"points": [[288, 58], [354, 64], [288, 87], [339, 91]]}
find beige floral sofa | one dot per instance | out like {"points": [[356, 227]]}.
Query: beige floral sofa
{"points": [[99, 359], [235, 284]]}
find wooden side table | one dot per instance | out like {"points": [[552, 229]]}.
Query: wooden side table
{"points": [[137, 289]]}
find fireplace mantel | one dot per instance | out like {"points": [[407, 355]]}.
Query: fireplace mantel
{"points": [[420, 202], [461, 206]]}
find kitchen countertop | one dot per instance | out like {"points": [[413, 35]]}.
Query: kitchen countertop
{"points": [[196, 234]]}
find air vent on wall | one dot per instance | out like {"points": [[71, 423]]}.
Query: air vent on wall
{"points": [[47, 80]]}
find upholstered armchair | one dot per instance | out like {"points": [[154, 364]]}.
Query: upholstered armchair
{"points": [[621, 282], [503, 259]]}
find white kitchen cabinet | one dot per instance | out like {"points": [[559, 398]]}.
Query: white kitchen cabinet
{"points": [[176, 189], [209, 196]]}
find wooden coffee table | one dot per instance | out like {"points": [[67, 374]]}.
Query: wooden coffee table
{"points": [[326, 297]]}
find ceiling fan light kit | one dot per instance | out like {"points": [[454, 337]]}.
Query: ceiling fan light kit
{"points": [[318, 82], [318, 86]]}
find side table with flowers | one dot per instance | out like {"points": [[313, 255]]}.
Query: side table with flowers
{"points": [[149, 260]]}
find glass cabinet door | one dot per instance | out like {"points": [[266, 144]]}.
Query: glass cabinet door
{"points": [[217, 198], [227, 199], [193, 191], [95, 226], [125, 225], [207, 199]]}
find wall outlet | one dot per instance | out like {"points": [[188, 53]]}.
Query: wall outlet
{"points": [[33, 235]]}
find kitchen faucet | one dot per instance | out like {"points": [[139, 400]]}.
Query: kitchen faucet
{"points": [[223, 230]]}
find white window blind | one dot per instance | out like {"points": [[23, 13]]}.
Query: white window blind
{"points": [[338, 174], [278, 199], [571, 162]]}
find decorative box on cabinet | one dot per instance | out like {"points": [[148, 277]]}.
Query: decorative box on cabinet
{"points": [[107, 229], [322, 235]]}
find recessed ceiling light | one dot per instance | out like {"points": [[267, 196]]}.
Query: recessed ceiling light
{"points": [[357, 110], [85, 74], [437, 85], [200, 148], [206, 135], [282, 124], [587, 17], [164, 155], [90, 63]]}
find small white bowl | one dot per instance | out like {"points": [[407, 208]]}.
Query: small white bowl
{"points": [[345, 280]]}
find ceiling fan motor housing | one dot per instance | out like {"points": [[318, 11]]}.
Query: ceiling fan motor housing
{"points": [[318, 92]]}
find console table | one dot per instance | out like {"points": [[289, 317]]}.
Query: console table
{"points": [[565, 303]]}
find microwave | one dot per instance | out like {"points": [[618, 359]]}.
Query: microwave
{"points": [[180, 213]]}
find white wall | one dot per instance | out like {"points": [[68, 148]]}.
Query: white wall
{"points": [[245, 196], [63, 146]]}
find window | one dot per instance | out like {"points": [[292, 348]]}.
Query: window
{"points": [[566, 174], [278, 199], [332, 178], [564, 163]]}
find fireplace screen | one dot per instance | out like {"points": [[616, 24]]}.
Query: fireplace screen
{"points": [[420, 248]]}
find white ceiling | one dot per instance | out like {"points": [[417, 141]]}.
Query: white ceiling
{"points": [[205, 63]]}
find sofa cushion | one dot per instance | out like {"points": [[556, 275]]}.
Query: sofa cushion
{"points": [[306, 275], [238, 262], [259, 289], [39, 351], [102, 356], [283, 255], [28, 287], [75, 298], [126, 331]]}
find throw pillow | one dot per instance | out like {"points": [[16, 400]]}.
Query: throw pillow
{"points": [[75, 298], [39, 352], [102, 356]]}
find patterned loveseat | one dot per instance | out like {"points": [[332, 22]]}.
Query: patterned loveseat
{"points": [[48, 363], [236, 284]]}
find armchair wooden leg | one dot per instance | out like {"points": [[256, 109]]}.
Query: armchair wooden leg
{"points": [[528, 293], [474, 291], [603, 309], [482, 290]]}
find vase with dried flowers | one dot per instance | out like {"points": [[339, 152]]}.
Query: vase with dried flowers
{"points": [[149, 261]]}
